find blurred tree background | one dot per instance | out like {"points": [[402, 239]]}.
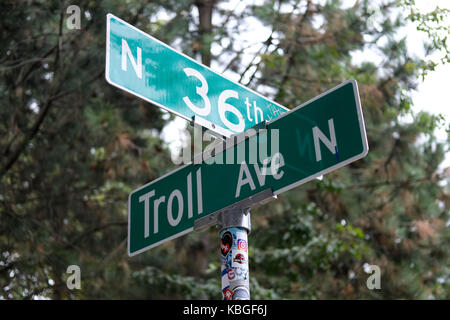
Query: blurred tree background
{"points": [[73, 147]]}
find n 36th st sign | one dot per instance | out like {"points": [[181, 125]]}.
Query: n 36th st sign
{"points": [[153, 71], [322, 135]]}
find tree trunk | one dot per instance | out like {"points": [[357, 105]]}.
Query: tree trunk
{"points": [[205, 10], [205, 32]]}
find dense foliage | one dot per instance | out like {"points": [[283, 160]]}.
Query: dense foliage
{"points": [[73, 147]]}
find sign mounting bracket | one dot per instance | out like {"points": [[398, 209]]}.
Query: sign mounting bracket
{"points": [[252, 202]]}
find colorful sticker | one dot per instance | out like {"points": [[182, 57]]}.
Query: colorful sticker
{"points": [[224, 273], [234, 265], [242, 245], [225, 281], [231, 274], [226, 243], [227, 294], [239, 259], [226, 261], [241, 273]]}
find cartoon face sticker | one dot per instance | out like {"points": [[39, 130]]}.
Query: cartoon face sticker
{"points": [[226, 243]]}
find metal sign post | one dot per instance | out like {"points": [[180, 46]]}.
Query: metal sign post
{"points": [[234, 228], [234, 225]]}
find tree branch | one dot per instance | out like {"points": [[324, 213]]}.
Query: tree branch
{"points": [[290, 53], [28, 137], [97, 229], [42, 112]]}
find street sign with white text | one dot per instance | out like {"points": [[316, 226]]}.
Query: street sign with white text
{"points": [[153, 71], [313, 139]]}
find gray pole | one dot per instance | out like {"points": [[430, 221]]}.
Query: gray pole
{"points": [[234, 226]]}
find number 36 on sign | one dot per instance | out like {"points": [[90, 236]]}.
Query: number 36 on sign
{"points": [[148, 68]]}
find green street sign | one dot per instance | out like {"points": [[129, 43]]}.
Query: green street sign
{"points": [[155, 72], [313, 139]]}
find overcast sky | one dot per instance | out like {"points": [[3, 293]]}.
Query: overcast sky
{"points": [[432, 95]]}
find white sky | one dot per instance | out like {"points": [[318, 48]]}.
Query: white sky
{"points": [[432, 95]]}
